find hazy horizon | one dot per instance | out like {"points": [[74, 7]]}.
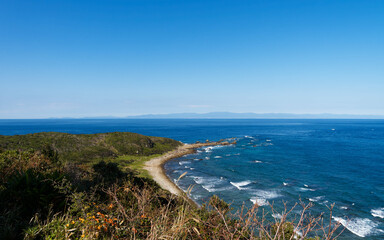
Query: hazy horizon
{"points": [[224, 115], [123, 58]]}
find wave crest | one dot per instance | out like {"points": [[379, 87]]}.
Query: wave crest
{"points": [[259, 201], [240, 185], [361, 227], [378, 212]]}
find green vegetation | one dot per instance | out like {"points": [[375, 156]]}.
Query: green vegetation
{"points": [[49, 193], [134, 163], [124, 148], [83, 148]]}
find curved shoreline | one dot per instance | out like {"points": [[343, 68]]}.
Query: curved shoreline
{"points": [[156, 170]]}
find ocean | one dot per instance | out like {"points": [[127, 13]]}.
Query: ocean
{"points": [[317, 161]]}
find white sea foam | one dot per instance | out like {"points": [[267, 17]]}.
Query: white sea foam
{"points": [[344, 207], [316, 199], [277, 216], [212, 184], [210, 148], [192, 168], [213, 188], [184, 162], [267, 194], [240, 185], [218, 157], [196, 197], [285, 184], [298, 234], [324, 202], [259, 201], [206, 158], [378, 212], [201, 180], [268, 140], [359, 226], [306, 189], [257, 161], [305, 185], [209, 188], [224, 188]]}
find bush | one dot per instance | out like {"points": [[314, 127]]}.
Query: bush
{"points": [[107, 173]]}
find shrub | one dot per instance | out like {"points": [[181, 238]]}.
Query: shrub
{"points": [[107, 173]]}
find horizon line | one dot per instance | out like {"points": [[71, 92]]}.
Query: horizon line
{"points": [[230, 115]]}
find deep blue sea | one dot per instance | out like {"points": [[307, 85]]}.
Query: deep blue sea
{"points": [[318, 161]]}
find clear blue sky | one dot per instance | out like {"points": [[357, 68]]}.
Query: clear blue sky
{"points": [[68, 58]]}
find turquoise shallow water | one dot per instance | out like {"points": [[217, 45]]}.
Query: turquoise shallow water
{"points": [[319, 161]]}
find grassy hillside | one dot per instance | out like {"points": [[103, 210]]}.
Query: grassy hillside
{"points": [[86, 148]]}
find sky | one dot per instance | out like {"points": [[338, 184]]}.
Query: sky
{"points": [[71, 58]]}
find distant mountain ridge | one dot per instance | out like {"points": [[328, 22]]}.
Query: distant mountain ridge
{"points": [[230, 115]]}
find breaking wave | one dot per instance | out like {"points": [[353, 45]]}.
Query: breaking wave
{"points": [[210, 148], [306, 189], [259, 201], [212, 184], [316, 199], [240, 185], [184, 162], [277, 216], [261, 197], [378, 212], [361, 227], [267, 194]]}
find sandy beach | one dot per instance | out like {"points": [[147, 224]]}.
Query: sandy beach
{"points": [[156, 170]]}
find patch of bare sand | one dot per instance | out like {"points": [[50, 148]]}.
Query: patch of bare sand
{"points": [[156, 170]]}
